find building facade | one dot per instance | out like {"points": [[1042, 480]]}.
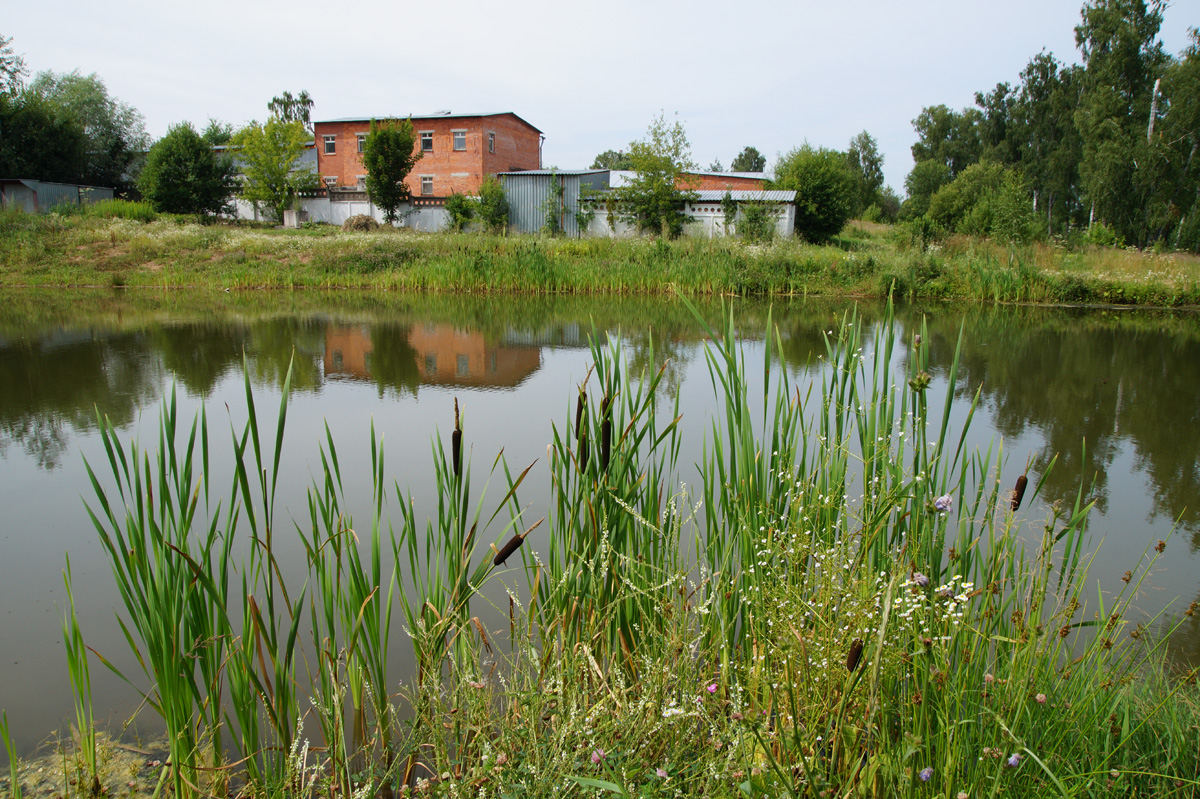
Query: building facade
{"points": [[458, 151]]}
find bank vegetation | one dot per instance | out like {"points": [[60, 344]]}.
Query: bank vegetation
{"points": [[122, 244]]}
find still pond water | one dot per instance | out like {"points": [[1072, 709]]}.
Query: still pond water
{"points": [[1126, 382]]}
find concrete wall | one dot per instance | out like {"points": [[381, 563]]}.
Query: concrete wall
{"points": [[707, 221], [429, 219]]}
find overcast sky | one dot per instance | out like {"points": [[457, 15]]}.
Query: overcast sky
{"points": [[591, 76]]}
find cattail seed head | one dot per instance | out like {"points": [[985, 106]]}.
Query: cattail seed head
{"points": [[854, 655], [512, 546], [1019, 492], [456, 442]]}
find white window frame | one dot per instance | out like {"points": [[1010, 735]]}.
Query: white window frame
{"points": [[330, 181], [426, 182], [362, 182], [331, 144], [454, 134], [491, 141], [362, 142], [426, 136]]}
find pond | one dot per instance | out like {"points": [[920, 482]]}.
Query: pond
{"points": [[1113, 393]]}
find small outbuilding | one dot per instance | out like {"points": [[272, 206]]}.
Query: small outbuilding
{"points": [[40, 196]]}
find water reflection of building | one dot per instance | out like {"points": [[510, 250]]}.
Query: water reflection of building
{"points": [[348, 352], [442, 355]]}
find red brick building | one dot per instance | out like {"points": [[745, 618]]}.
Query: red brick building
{"points": [[457, 151], [727, 181]]}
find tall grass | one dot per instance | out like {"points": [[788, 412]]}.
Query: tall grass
{"points": [[845, 604], [120, 241]]}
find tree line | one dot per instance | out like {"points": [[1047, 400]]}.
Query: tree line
{"points": [[1108, 145]]}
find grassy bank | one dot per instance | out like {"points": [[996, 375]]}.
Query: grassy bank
{"points": [[847, 604], [866, 260]]}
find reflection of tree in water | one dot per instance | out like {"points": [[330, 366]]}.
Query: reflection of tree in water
{"points": [[53, 388], [393, 360], [199, 355], [803, 328], [276, 344], [652, 350], [1083, 378]]}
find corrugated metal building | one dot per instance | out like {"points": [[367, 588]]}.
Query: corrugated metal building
{"points": [[708, 213], [39, 196], [527, 193]]}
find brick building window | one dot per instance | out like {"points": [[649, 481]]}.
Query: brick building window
{"points": [[427, 185], [330, 145], [491, 142], [362, 142], [330, 181], [427, 141], [460, 139], [362, 182]]}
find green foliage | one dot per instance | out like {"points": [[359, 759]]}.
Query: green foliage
{"points": [[115, 131], [292, 109], [824, 187], [949, 137], [729, 209], [12, 68], [921, 184], [493, 206], [139, 211], [1120, 165], [749, 160], [552, 207], [986, 199], [652, 200], [270, 161], [866, 162], [757, 222], [585, 211], [217, 133], [39, 143], [612, 159], [182, 175], [389, 154], [461, 209], [1099, 234]]}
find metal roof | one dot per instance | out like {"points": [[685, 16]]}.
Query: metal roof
{"points": [[446, 115], [552, 172], [775, 196]]}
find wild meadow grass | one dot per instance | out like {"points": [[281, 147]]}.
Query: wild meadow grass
{"points": [[840, 599], [118, 244]]}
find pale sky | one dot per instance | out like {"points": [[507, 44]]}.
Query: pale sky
{"points": [[591, 76]]}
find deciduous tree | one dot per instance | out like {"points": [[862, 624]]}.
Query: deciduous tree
{"points": [[270, 160], [38, 142], [866, 163], [12, 68], [183, 175], [653, 199], [824, 187], [292, 109], [748, 160], [115, 131], [389, 154], [950, 137], [612, 159]]}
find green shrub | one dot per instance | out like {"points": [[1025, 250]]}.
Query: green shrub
{"points": [[1101, 235], [758, 222], [461, 209], [493, 206]]}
